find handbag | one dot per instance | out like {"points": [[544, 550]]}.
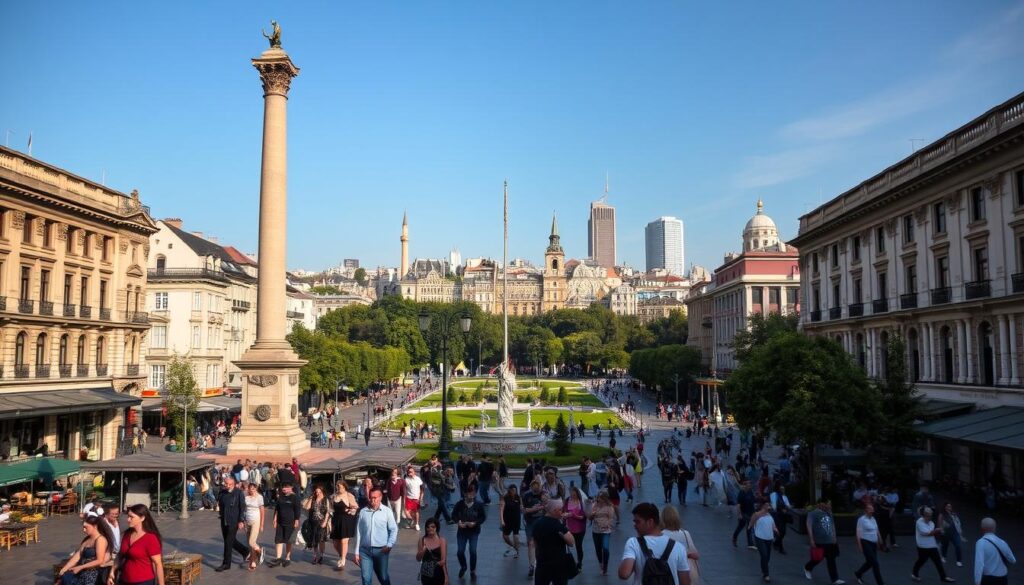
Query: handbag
{"points": [[567, 569], [817, 554], [428, 567]]}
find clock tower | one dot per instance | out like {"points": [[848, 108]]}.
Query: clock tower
{"points": [[554, 291]]}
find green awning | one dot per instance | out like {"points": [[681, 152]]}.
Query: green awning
{"points": [[1001, 427], [45, 469]]}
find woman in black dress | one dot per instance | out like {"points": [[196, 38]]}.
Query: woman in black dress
{"points": [[510, 510], [319, 519], [343, 520], [432, 553]]}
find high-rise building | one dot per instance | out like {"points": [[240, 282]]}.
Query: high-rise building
{"points": [[664, 242], [601, 231]]}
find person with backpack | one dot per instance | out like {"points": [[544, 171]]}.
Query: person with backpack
{"points": [[653, 558]]}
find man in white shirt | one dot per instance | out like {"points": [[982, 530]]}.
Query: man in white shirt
{"points": [[412, 495], [867, 544], [991, 556], [646, 522], [110, 517], [927, 547]]}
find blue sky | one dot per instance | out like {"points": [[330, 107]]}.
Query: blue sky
{"points": [[693, 109]]}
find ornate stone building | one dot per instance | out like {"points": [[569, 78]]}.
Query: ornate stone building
{"points": [[73, 323]]}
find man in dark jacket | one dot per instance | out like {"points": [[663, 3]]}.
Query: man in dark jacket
{"points": [[469, 514], [232, 519]]}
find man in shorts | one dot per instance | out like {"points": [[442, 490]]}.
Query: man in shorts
{"points": [[287, 513], [413, 496]]}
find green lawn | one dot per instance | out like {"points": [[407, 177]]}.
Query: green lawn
{"points": [[518, 461], [521, 383], [461, 418], [576, 396]]}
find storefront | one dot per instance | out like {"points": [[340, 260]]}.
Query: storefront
{"points": [[980, 448]]}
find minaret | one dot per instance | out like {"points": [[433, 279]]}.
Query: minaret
{"points": [[404, 267]]}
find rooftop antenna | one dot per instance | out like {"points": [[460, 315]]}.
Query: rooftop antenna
{"points": [[7, 141], [913, 144], [103, 181], [605, 198]]}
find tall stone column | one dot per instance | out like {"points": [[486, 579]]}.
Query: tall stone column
{"points": [[270, 369], [1012, 334], [1004, 351]]}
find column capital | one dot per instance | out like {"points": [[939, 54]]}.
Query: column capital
{"points": [[276, 71]]}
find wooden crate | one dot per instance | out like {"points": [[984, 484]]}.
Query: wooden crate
{"points": [[182, 569]]}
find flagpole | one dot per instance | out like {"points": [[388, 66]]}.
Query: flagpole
{"points": [[504, 280]]}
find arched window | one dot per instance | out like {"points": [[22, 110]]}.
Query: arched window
{"points": [[100, 351], [19, 349], [81, 350], [63, 350], [41, 350]]}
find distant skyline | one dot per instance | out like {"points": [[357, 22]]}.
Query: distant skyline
{"points": [[694, 111]]}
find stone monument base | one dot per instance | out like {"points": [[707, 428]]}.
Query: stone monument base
{"points": [[270, 404], [500, 440]]}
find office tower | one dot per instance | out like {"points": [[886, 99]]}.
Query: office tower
{"points": [[664, 243]]}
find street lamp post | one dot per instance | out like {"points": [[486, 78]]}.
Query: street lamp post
{"points": [[183, 402], [676, 378], [447, 321]]}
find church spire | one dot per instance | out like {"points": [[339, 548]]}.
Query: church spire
{"points": [[554, 240], [554, 224]]}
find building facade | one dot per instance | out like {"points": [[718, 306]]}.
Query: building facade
{"points": [[663, 239], [658, 308], [601, 233], [74, 325], [700, 316]]}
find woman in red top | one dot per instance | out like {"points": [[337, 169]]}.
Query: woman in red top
{"points": [[141, 561]]}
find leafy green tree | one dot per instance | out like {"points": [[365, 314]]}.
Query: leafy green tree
{"points": [[182, 395], [761, 329], [562, 444], [900, 407], [360, 275], [583, 349], [325, 289], [671, 330], [452, 396], [545, 395], [563, 395], [478, 395]]}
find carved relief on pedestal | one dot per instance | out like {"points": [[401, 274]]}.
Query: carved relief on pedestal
{"points": [[263, 380], [294, 411], [293, 379], [262, 412]]}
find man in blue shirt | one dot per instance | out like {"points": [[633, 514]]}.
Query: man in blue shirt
{"points": [[376, 533]]}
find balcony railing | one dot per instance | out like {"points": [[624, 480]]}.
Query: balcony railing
{"points": [[908, 301], [131, 370], [942, 295], [3, 303], [879, 306], [101, 370], [815, 316], [69, 310], [140, 317], [82, 370], [45, 308], [26, 306], [21, 370], [85, 311], [104, 314], [65, 370], [835, 313], [1018, 282], [238, 305], [42, 370], [706, 322], [294, 315], [856, 309], [978, 289], [185, 274]]}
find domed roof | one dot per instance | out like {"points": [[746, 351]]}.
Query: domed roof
{"points": [[760, 220]]}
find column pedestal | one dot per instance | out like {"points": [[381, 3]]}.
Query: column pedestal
{"points": [[270, 405]]}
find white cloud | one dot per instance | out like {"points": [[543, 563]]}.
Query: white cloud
{"points": [[765, 170]]}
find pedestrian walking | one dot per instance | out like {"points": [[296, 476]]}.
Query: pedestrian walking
{"points": [[91, 556], [553, 537], [668, 476], [432, 554], [395, 489], [867, 544], [952, 533], [412, 493], [376, 534], [652, 557], [318, 522], [992, 556], [254, 516], [781, 511], [683, 474], [141, 557], [468, 514], [287, 514], [821, 531], [575, 515], [927, 547], [485, 475], [672, 526], [533, 506], [510, 509], [762, 524], [366, 435], [343, 520], [231, 502], [744, 511]]}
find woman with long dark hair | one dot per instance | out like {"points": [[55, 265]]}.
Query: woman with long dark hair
{"points": [[140, 561], [343, 520], [319, 519], [83, 568]]}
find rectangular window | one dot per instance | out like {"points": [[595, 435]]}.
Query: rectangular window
{"points": [[3, 223], [160, 301], [85, 245], [773, 296], [939, 217], [816, 299], [981, 263], [26, 283], [68, 284], [814, 262], [157, 376], [835, 255], [196, 337], [857, 292], [105, 251], [1020, 254], [977, 204], [880, 239], [69, 245], [1019, 183], [883, 286], [911, 279], [85, 291], [47, 233], [835, 294], [26, 229], [942, 271], [908, 229], [44, 285], [197, 301], [756, 296], [159, 337], [103, 294]]}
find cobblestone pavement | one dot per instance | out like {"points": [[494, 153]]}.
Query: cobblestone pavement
{"points": [[711, 529]]}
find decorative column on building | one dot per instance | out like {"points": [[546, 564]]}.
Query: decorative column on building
{"points": [[270, 369]]}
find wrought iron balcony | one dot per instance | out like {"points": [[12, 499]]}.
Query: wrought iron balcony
{"points": [[65, 370], [69, 310], [131, 370], [45, 308], [3, 303], [26, 306], [101, 370], [21, 370], [879, 306], [140, 317], [815, 316], [1018, 282], [185, 274], [856, 309], [978, 289], [942, 295], [42, 370], [835, 313], [294, 315], [238, 305], [82, 370], [908, 301], [104, 314], [85, 311]]}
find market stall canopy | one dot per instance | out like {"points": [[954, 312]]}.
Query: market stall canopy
{"points": [[214, 404], [383, 458], [46, 469], [40, 403], [161, 461], [225, 402], [1001, 427]]}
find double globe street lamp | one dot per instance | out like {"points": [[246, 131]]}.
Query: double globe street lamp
{"points": [[446, 321]]}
